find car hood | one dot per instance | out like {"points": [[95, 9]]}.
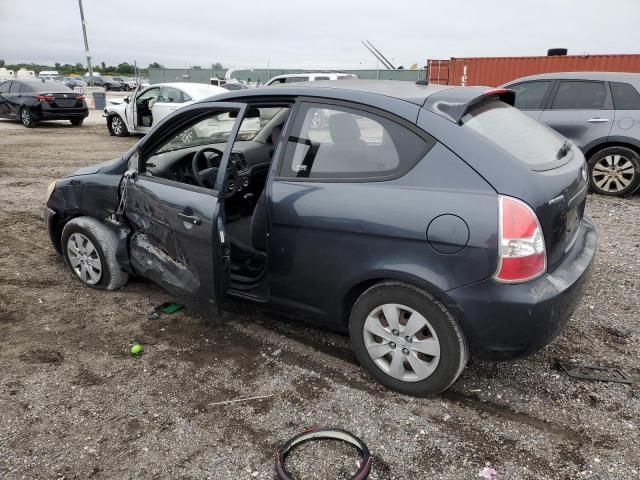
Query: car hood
{"points": [[116, 107], [106, 167]]}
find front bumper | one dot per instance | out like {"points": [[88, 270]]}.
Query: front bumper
{"points": [[505, 321], [50, 222]]}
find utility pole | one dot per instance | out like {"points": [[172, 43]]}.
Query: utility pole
{"points": [[86, 43]]}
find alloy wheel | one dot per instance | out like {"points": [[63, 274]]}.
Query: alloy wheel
{"points": [[613, 173], [84, 258], [401, 342], [25, 116], [116, 125]]}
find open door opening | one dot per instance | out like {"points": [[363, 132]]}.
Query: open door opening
{"points": [[246, 217]]}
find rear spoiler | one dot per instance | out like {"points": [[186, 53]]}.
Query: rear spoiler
{"points": [[454, 103]]}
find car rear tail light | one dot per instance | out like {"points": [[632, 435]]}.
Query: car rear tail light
{"points": [[522, 254], [45, 98]]}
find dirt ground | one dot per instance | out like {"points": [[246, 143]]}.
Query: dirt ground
{"points": [[74, 404]]}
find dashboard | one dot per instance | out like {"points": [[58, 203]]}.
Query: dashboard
{"points": [[250, 159]]}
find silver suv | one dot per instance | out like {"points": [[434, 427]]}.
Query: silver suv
{"points": [[599, 112]]}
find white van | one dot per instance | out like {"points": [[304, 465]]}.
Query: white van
{"points": [[310, 77]]}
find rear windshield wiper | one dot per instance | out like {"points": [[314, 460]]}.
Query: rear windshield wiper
{"points": [[564, 149]]}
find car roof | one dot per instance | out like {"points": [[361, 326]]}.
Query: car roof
{"points": [[399, 90], [201, 90], [610, 76]]}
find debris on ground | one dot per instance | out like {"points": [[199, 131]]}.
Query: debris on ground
{"points": [[600, 374], [166, 308], [136, 349]]}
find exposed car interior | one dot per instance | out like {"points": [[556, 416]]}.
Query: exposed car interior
{"points": [[194, 156], [144, 103]]}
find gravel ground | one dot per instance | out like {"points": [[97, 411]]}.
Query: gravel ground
{"points": [[73, 404]]}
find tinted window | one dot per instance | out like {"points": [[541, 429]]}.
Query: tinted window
{"points": [[15, 87], [517, 133], [336, 142], [625, 97], [4, 87], [296, 79], [580, 96], [529, 95], [25, 88], [322, 78], [48, 86]]}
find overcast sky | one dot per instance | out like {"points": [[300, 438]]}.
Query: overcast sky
{"points": [[310, 33]]}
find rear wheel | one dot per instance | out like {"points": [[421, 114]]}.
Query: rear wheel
{"points": [[614, 171], [407, 340], [116, 126], [89, 249], [77, 122], [26, 118]]}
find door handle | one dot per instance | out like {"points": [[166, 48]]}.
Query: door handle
{"points": [[173, 108], [194, 219], [598, 120]]}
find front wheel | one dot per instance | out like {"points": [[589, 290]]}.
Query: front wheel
{"points": [[614, 171], [407, 340], [116, 126], [89, 249], [27, 118]]}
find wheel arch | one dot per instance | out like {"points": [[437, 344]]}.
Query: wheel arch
{"points": [[357, 289], [625, 142]]}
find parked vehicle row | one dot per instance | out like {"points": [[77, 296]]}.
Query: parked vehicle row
{"points": [[464, 237], [599, 112]]}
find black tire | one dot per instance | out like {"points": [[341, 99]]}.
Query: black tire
{"points": [[555, 52], [105, 242], [626, 178], [116, 126], [126, 88], [27, 118], [454, 352], [77, 122]]}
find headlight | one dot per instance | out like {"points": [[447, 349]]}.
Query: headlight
{"points": [[50, 189]]}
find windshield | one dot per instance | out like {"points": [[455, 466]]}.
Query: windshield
{"points": [[216, 129], [517, 133]]}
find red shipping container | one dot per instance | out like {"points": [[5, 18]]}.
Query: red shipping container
{"points": [[494, 71]]}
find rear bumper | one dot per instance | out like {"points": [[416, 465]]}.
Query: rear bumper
{"points": [[505, 321], [60, 113]]}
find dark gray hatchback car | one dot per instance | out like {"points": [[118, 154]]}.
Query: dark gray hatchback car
{"points": [[431, 223], [599, 112]]}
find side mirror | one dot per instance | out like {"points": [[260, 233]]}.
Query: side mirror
{"points": [[126, 100]]}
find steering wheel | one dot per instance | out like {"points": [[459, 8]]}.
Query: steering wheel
{"points": [[207, 177]]}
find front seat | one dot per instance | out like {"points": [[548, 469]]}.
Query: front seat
{"points": [[347, 153]]}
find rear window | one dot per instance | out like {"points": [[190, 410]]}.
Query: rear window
{"points": [[625, 97], [580, 95], [517, 133], [49, 87]]}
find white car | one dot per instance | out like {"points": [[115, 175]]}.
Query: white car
{"points": [[310, 77], [147, 106]]}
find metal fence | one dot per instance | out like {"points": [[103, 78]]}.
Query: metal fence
{"points": [[197, 75]]}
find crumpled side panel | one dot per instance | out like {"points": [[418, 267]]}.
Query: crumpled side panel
{"points": [[151, 262]]}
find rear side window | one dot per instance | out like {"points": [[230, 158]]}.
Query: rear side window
{"points": [[25, 88], [517, 133], [331, 142], [580, 96], [322, 78], [4, 87], [529, 95], [15, 87], [170, 95], [625, 96]]}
